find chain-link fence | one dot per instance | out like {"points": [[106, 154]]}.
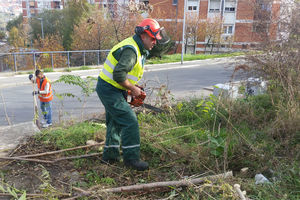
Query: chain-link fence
{"points": [[19, 61]]}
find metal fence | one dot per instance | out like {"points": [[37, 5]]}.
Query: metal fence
{"points": [[19, 61]]}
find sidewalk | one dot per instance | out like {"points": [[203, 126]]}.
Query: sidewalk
{"points": [[11, 136], [12, 79]]}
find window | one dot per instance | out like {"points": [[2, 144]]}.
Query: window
{"points": [[229, 9], [31, 4], [192, 8], [228, 29], [57, 5], [175, 2], [192, 5], [214, 6]]}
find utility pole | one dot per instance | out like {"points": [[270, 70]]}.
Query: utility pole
{"points": [[42, 25], [183, 32]]}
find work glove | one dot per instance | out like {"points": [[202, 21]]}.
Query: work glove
{"points": [[35, 93], [30, 76]]}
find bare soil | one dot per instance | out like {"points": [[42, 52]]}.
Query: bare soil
{"points": [[29, 176]]}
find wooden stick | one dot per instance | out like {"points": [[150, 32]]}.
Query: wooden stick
{"points": [[60, 151], [237, 188], [184, 182], [26, 159], [27, 195], [149, 186], [50, 161], [74, 157]]}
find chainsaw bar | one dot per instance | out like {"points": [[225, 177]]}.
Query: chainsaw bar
{"points": [[155, 109]]}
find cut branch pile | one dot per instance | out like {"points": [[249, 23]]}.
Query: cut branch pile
{"points": [[30, 158], [150, 186]]}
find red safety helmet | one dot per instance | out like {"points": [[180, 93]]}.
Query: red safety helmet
{"points": [[153, 29]]}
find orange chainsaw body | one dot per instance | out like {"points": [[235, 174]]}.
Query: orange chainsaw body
{"points": [[137, 101]]}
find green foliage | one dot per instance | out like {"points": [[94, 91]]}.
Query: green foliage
{"points": [[14, 23], [10, 190], [86, 85], [60, 22], [72, 15], [84, 68], [67, 70], [2, 35], [52, 23], [70, 136], [48, 70]]}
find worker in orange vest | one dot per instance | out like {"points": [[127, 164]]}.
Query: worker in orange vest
{"points": [[45, 95]]}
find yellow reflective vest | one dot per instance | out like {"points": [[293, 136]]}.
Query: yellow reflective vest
{"points": [[136, 72]]}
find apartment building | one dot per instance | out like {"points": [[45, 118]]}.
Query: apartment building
{"points": [[32, 7], [245, 23]]}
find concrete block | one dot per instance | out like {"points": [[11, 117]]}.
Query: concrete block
{"points": [[11, 136]]}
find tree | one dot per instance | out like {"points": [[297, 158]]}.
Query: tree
{"points": [[211, 29], [2, 35], [15, 38], [14, 23], [103, 28], [191, 33], [278, 64], [72, 15], [52, 23], [50, 43]]}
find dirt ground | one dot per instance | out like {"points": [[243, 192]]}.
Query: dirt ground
{"points": [[61, 178]]}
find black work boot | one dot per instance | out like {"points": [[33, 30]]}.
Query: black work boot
{"points": [[110, 161], [136, 164]]}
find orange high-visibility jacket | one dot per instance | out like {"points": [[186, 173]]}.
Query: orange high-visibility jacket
{"points": [[44, 97]]}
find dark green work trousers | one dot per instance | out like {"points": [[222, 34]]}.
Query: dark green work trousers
{"points": [[121, 123]]}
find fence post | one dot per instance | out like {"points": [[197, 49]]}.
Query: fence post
{"points": [[34, 61], [15, 62], [52, 64], [83, 58], [98, 59], [68, 59]]}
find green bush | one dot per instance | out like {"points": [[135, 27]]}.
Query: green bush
{"points": [[48, 70]]}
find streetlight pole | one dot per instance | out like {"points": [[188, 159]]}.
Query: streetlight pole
{"points": [[42, 25], [183, 32]]}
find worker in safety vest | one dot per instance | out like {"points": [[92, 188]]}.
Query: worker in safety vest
{"points": [[123, 68], [45, 95]]}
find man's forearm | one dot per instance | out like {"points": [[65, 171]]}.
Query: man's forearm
{"points": [[126, 84], [136, 91], [46, 90]]}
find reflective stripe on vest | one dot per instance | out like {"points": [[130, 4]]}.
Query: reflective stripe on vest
{"points": [[136, 72], [44, 97]]}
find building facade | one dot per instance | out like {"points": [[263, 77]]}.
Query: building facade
{"points": [[31, 8], [245, 23]]}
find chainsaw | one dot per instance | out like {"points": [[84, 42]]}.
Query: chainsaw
{"points": [[139, 101]]}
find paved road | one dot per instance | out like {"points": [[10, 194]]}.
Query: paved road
{"points": [[183, 81]]}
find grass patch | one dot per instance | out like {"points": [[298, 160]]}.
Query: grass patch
{"points": [[48, 70], [67, 137], [189, 57], [67, 70], [84, 68]]}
